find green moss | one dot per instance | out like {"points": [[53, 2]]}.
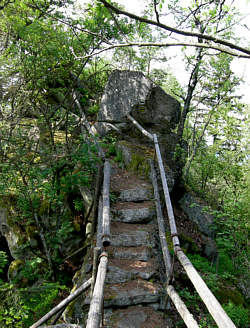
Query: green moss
{"points": [[169, 242]]}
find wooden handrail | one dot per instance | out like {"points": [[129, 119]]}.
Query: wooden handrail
{"points": [[213, 306], [172, 224], [106, 205], [95, 310], [63, 304], [143, 131], [178, 303]]}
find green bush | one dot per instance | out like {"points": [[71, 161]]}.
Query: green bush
{"points": [[238, 314]]}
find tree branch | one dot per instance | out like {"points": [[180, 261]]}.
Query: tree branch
{"points": [[155, 44], [177, 31]]}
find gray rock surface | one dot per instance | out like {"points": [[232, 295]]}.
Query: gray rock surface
{"points": [[135, 195], [135, 236], [142, 253], [128, 91], [197, 212], [141, 213]]}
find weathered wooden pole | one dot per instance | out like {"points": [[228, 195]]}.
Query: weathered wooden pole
{"points": [[64, 303], [106, 205], [181, 308], [143, 131], [160, 220], [172, 224], [213, 306], [97, 252], [95, 310]]}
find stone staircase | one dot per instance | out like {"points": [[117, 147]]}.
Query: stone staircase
{"points": [[133, 295]]}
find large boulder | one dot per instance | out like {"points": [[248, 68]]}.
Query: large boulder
{"points": [[131, 92]]}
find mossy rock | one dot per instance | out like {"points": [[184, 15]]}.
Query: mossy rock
{"points": [[15, 273], [136, 156]]}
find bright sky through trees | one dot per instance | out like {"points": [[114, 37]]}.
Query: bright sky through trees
{"points": [[240, 66]]}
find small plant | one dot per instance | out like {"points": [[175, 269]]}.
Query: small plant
{"points": [[92, 110]]}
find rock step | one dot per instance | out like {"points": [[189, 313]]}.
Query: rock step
{"points": [[128, 235], [130, 293], [131, 212], [135, 195], [140, 253], [124, 270], [135, 317]]}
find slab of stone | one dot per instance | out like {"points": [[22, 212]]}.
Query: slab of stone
{"points": [[130, 235], [124, 270], [196, 211], [131, 293], [141, 253], [135, 195], [136, 317], [133, 212]]}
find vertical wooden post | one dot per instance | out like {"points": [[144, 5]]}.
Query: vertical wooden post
{"points": [[95, 310], [106, 205]]}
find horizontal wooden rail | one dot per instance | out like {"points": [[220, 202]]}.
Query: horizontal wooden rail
{"points": [[106, 205], [63, 304], [95, 310]]}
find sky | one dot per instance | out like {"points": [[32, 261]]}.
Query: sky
{"points": [[240, 66]]}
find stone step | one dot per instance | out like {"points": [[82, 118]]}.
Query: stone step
{"points": [[136, 194], [136, 317], [140, 253], [131, 212], [128, 235], [130, 293], [124, 270]]}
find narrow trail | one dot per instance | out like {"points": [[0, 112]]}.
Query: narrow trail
{"points": [[133, 293]]}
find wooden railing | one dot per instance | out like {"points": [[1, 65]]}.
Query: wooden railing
{"points": [[95, 314], [100, 262], [217, 312]]}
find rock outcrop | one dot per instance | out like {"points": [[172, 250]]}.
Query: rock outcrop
{"points": [[130, 92]]}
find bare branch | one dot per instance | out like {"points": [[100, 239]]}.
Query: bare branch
{"points": [[178, 31], [153, 44]]}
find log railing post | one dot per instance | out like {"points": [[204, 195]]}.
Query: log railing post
{"points": [[95, 310], [172, 224], [106, 205]]}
